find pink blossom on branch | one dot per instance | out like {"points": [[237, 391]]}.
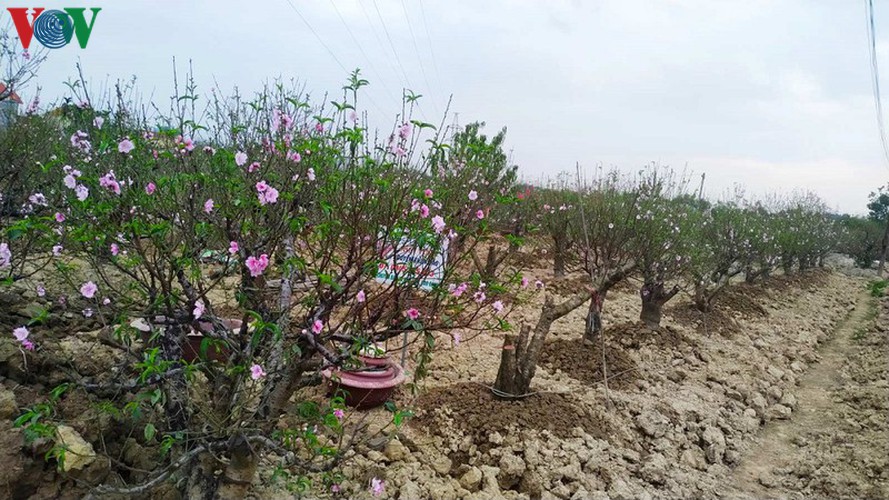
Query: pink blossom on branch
{"points": [[150, 188], [126, 146], [317, 326], [256, 372], [21, 333], [438, 224], [266, 194], [412, 313], [82, 192], [257, 265], [198, 309], [208, 206], [240, 158], [5, 255], [89, 289]]}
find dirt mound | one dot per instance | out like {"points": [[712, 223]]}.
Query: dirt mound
{"points": [[476, 412], [806, 280], [745, 299], [568, 285], [584, 363], [715, 321], [635, 335]]}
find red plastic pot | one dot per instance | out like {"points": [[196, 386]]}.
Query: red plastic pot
{"points": [[365, 388]]}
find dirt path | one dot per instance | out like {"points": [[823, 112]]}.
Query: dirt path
{"points": [[813, 437]]}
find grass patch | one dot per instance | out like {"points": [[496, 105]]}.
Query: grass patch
{"points": [[877, 288], [867, 322]]}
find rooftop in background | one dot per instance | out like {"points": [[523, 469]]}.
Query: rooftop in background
{"points": [[13, 96]]}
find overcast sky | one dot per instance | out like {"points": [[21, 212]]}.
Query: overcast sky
{"points": [[774, 95]]}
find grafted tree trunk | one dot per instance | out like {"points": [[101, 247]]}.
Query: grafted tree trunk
{"points": [[654, 296], [518, 360], [560, 251], [702, 300], [238, 473], [787, 263], [175, 386], [593, 325]]}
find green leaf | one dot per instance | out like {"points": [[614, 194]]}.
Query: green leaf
{"points": [[150, 431]]}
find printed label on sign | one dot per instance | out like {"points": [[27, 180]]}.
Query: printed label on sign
{"points": [[412, 262]]}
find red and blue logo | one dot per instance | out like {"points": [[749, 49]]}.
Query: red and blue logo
{"points": [[54, 29]]}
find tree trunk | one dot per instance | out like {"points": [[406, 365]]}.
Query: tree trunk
{"points": [[654, 296], [238, 474], [593, 325], [787, 264], [558, 261], [175, 386], [884, 255], [702, 299], [518, 360]]}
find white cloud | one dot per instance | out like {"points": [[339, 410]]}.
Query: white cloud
{"points": [[778, 88]]}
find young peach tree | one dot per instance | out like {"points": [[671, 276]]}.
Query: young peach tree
{"points": [[234, 259]]}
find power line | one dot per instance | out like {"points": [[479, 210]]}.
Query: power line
{"points": [[417, 52], [397, 59], [329, 51], [875, 78], [320, 40], [361, 49], [429, 42], [391, 44], [378, 39]]}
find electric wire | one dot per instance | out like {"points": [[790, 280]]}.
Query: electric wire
{"points": [[329, 51], [370, 63], [417, 52], [875, 78]]}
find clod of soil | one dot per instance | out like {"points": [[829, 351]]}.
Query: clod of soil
{"points": [[476, 412], [584, 363], [715, 321], [636, 335]]}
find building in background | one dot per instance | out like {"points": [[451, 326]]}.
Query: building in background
{"points": [[9, 106]]}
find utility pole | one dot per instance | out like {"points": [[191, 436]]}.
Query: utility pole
{"points": [[701, 189]]}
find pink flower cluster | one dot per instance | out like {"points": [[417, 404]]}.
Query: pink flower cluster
{"points": [[21, 334], [109, 182], [266, 194], [5, 255], [125, 146], [257, 265]]}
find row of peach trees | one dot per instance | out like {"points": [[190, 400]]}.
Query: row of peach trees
{"points": [[143, 219], [651, 229]]}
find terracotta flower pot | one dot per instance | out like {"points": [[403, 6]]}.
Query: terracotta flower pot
{"points": [[375, 361], [191, 348], [366, 388]]}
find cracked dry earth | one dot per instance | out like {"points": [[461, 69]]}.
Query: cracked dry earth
{"points": [[784, 397], [837, 443]]}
